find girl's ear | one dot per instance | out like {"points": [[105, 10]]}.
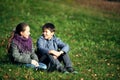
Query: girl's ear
{"points": [[21, 33]]}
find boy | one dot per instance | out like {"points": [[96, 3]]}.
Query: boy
{"points": [[52, 50]]}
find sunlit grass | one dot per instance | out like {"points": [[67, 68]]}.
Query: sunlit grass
{"points": [[93, 38]]}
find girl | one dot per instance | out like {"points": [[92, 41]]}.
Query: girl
{"points": [[21, 49]]}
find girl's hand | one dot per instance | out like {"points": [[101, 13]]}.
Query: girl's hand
{"points": [[34, 62]]}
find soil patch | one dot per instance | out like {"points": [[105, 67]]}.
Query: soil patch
{"points": [[106, 5]]}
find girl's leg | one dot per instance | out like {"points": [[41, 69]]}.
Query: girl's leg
{"points": [[30, 65], [42, 66]]}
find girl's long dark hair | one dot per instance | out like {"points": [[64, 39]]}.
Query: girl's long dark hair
{"points": [[9, 40], [20, 27]]}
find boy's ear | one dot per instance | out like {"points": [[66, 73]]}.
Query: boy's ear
{"points": [[53, 33]]}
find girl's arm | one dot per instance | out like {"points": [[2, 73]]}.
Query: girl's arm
{"points": [[19, 57]]}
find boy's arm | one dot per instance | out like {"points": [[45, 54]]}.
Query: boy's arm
{"points": [[63, 47], [41, 47], [55, 53]]}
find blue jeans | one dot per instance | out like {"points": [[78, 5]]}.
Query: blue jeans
{"points": [[41, 66]]}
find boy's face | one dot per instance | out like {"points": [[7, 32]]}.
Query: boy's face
{"points": [[48, 34]]}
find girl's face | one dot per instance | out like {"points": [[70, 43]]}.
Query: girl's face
{"points": [[26, 33], [48, 34]]}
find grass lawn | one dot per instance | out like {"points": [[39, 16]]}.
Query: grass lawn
{"points": [[92, 33]]}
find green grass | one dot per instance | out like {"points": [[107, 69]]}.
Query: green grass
{"points": [[94, 38]]}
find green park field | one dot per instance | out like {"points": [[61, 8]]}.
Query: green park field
{"points": [[90, 27]]}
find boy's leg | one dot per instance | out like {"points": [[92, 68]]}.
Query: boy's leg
{"points": [[55, 64], [66, 60]]}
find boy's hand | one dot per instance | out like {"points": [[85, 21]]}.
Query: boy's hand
{"points": [[61, 52], [55, 53], [55, 57]]}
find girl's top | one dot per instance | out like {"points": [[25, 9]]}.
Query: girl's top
{"points": [[21, 50]]}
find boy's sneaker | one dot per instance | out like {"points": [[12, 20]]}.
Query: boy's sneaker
{"points": [[71, 70], [63, 70]]}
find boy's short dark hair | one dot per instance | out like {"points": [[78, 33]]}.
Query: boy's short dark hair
{"points": [[49, 26]]}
